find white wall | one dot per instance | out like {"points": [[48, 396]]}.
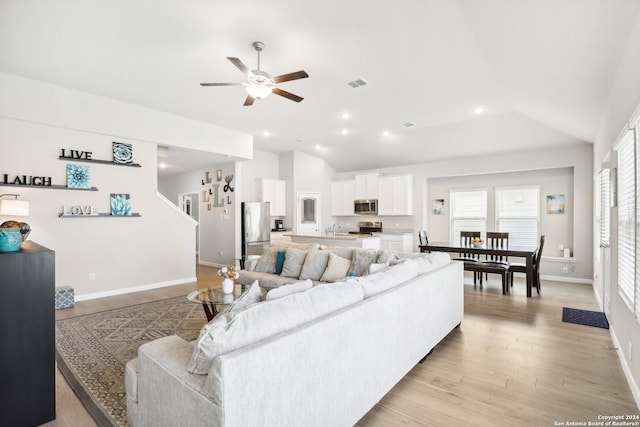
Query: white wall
{"points": [[625, 98], [124, 253], [37, 120]]}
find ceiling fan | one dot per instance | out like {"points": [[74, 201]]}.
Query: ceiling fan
{"points": [[259, 83]]}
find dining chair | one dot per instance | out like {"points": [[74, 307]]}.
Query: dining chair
{"points": [[480, 268], [519, 267], [422, 240], [466, 238], [496, 240]]}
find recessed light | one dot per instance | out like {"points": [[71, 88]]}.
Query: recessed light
{"points": [[318, 147], [266, 133], [478, 110], [344, 115], [162, 165], [385, 133], [344, 131]]}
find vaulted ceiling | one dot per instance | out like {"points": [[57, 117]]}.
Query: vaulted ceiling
{"points": [[541, 70]]}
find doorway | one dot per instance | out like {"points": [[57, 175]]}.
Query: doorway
{"points": [[189, 203], [308, 213]]}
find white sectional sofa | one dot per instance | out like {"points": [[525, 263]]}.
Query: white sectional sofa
{"points": [[320, 357]]}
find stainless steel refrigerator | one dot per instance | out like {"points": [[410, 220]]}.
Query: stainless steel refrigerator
{"points": [[256, 227]]}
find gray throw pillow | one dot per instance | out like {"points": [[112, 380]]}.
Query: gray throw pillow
{"points": [[293, 261], [314, 265], [285, 290], [361, 260], [385, 256], [267, 261]]}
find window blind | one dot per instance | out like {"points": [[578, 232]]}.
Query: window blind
{"points": [[518, 213], [605, 207], [626, 219], [468, 212]]}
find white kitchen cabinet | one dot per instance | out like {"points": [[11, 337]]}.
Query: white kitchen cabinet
{"points": [[342, 196], [274, 191], [401, 243], [367, 186], [395, 195], [280, 237]]}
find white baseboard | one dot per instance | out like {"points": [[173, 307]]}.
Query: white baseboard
{"points": [[123, 291], [567, 279], [635, 391], [211, 264]]}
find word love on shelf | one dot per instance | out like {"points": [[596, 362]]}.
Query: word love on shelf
{"points": [[79, 211]]}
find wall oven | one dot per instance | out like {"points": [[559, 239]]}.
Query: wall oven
{"points": [[365, 207]]}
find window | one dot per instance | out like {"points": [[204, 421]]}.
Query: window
{"points": [[518, 213], [468, 212], [627, 239]]}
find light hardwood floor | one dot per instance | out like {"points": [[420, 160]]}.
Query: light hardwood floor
{"points": [[512, 362]]}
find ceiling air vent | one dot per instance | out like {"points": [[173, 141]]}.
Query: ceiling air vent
{"points": [[357, 83], [408, 124]]}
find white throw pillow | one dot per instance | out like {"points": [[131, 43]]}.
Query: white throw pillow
{"points": [[284, 290], [377, 266], [250, 296], [337, 268]]}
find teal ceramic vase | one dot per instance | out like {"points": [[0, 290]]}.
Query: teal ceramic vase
{"points": [[10, 239]]}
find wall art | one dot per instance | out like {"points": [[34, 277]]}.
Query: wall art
{"points": [[438, 204], [78, 176], [555, 204], [120, 204], [122, 153], [228, 180]]}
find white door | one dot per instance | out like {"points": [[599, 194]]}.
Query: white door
{"points": [[308, 213]]}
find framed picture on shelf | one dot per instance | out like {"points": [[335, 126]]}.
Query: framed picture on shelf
{"points": [[122, 153], [78, 176], [120, 204]]}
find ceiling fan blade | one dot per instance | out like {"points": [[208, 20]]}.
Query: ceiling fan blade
{"points": [[221, 84], [249, 101], [240, 65], [286, 94], [291, 76]]}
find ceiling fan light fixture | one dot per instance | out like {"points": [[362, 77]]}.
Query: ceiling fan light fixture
{"points": [[258, 91]]}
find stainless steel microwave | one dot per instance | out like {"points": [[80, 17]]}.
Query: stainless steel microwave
{"points": [[365, 207]]}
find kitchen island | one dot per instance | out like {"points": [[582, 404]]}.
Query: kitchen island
{"points": [[364, 241]]}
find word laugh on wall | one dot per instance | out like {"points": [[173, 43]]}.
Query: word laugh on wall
{"points": [[40, 181]]}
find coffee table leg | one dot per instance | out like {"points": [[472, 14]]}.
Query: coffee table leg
{"points": [[210, 311]]}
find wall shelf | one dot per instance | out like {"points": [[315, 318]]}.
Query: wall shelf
{"points": [[102, 162], [50, 187], [100, 215]]}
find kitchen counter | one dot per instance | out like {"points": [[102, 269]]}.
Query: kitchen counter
{"points": [[354, 240]]}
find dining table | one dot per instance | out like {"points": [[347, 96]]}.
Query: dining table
{"points": [[525, 252]]}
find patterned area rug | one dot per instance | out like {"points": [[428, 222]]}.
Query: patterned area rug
{"points": [[92, 350], [585, 317]]}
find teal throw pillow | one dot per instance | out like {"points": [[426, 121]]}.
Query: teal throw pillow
{"points": [[280, 262]]}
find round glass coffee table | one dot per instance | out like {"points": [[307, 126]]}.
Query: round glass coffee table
{"points": [[212, 297]]}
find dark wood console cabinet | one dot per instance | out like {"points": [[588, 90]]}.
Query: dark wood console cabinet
{"points": [[27, 336]]}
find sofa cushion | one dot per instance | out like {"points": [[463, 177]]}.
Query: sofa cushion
{"points": [[337, 268], [250, 296], [341, 251], [237, 329], [293, 261], [289, 289], [431, 261], [314, 265], [361, 260], [265, 280], [377, 266], [376, 283], [386, 257], [267, 261]]}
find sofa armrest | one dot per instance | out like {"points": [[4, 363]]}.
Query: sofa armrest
{"points": [[167, 393]]}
